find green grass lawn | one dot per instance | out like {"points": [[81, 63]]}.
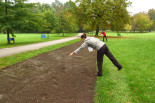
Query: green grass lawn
{"points": [[29, 38], [126, 34], [135, 83]]}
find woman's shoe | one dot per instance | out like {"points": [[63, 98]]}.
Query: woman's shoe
{"points": [[120, 68], [97, 74]]}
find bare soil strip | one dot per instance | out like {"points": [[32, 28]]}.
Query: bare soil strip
{"points": [[52, 77]]}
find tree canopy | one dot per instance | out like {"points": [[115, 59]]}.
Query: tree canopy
{"points": [[103, 14], [151, 14], [141, 22], [14, 14], [81, 15]]}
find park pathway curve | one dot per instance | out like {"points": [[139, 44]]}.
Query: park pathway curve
{"points": [[19, 49]]}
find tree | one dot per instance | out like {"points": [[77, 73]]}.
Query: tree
{"points": [[142, 22], [102, 13], [44, 21], [48, 18], [65, 21], [151, 14], [70, 18], [133, 22], [13, 15], [51, 20], [63, 25], [119, 16], [56, 5], [44, 6], [127, 27]]}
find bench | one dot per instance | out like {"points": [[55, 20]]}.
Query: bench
{"points": [[43, 36], [11, 39]]}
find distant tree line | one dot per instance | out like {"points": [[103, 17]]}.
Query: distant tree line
{"points": [[81, 15], [142, 22], [23, 17]]}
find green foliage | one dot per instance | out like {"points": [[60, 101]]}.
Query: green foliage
{"points": [[13, 15], [141, 22], [42, 7], [151, 14], [101, 13], [65, 21], [35, 18], [128, 27], [51, 20], [119, 16], [62, 25], [17, 12]]}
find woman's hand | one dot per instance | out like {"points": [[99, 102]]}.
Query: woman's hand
{"points": [[71, 54]]}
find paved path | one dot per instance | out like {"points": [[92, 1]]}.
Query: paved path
{"points": [[19, 49]]}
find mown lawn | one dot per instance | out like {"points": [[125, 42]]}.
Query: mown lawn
{"points": [[135, 83], [125, 34], [30, 38]]}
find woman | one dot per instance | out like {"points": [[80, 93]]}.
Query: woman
{"points": [[101, 48]]}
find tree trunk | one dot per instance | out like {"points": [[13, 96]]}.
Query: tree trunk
{"points": [[97, 30], [117, 33], [6, 12], [8, 36], [134, 30]]}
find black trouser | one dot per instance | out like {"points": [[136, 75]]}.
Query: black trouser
{"points": [[105, 37], [100, 53]]}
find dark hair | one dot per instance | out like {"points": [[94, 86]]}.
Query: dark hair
{"points": [[83, 35]]}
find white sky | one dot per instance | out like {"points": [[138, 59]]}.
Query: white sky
{"points": [[136, 6], [141, 5]]}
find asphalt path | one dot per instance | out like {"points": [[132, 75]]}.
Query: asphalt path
{"points": [[19, 49]]}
